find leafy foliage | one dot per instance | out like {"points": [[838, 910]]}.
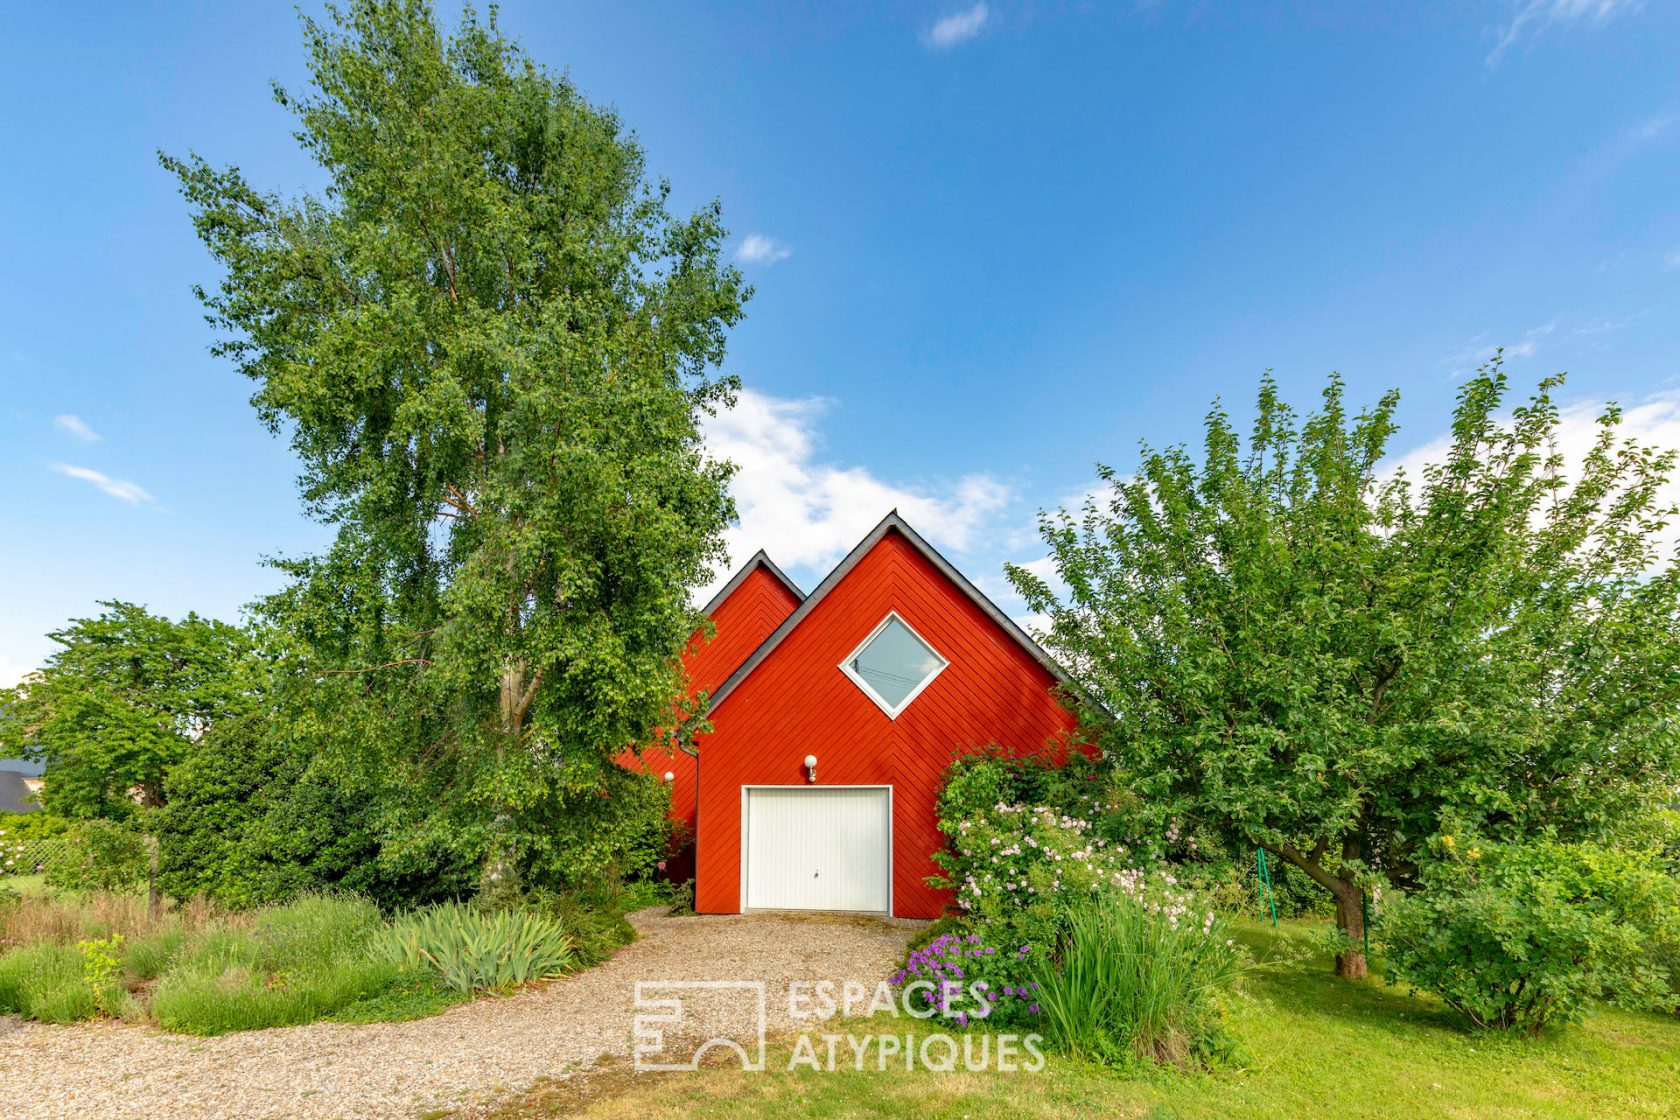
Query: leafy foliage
{"points": [[120, 703], [491, 344], [249, 821], [1303, 652], [100, 856], [471, 950], [102, 971], [1518, 936]]}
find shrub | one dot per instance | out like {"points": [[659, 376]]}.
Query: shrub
{"points": [[45, 982], [102, 970], [1140, 974], [471, 950], [1015, 867], [1518, 936], [106, 856], [1063, 776], [964, 981], [247, 823], [34, 826]]}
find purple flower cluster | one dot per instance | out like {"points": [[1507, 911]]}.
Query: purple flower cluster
{"points": [[952, 969]]}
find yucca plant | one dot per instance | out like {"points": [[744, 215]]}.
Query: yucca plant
{"points": [[473, 951]]}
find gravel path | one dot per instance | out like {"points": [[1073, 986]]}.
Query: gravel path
{"points": [[467, 1056]]}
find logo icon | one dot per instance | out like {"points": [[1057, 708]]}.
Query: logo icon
{"points": [[679, 1021]]}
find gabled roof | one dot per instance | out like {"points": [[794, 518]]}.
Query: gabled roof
{"points": [[892, 523], [760, 559], [15, 794]]}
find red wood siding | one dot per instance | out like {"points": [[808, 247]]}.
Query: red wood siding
{"points": [[741, 623], [798, 702]]}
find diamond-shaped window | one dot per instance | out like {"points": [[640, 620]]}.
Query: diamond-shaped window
{"points": [[893, 665]]}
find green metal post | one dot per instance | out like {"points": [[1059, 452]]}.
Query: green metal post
{"points": [[1266, 881]]}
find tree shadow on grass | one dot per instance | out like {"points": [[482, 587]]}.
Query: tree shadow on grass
{"points": [[1295, 968]]}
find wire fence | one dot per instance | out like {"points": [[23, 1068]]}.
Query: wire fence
{"points": [[33, 857]]}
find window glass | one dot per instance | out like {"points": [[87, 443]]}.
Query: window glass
{"points": [[895, 663]]}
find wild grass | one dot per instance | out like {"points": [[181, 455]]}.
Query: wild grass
{"points": [[45, 982], [1315, 1046], [64, 919], [195, 969]]}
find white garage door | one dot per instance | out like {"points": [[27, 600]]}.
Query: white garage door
{"points": [[818, 848]]}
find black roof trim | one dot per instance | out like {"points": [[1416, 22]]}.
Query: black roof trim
{"points": [[892, 522], [760, 559]]}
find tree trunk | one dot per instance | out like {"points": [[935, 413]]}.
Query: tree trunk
{"points": [[1350, 919], [152, 897], [1349, 896], [500, 878]]}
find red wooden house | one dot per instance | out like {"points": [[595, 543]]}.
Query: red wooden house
{"points": [[834, 716]]}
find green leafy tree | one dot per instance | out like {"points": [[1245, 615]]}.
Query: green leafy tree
{"points": [[1305, 653], [248, 822], [491, 344], [118, 705]]}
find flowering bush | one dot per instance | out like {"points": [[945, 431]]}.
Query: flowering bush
{"points": [[104, 856], [1014, 868], [963, 980]]}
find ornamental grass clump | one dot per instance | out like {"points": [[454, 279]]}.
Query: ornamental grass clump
{"points": [[472, 950], [1140, 975]]}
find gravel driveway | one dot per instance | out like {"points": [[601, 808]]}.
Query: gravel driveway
{"points": [[465, 1056]]}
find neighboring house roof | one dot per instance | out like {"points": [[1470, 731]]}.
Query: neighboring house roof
{"points": [[15, 794], [892, 523], [760, 559], [751, 605]]}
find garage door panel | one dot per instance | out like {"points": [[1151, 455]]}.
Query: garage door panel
{"points": [[818, 848]]}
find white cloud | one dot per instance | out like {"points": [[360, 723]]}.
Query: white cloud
{"points": [[11, 672], [1477, 351], [807, 512], [1652, 127], [1533, 18], [756, 248], [1653, 422], [76, 426], [958, 27], [120, 489]]}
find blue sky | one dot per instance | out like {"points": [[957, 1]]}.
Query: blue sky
{"points": [[992, 243]]}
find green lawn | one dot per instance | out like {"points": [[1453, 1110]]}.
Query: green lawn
{"points": [[1316, 1047], [30, 886]]}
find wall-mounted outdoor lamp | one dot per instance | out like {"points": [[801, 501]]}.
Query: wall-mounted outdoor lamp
{"points": [[811, 767], [670, 777]]}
